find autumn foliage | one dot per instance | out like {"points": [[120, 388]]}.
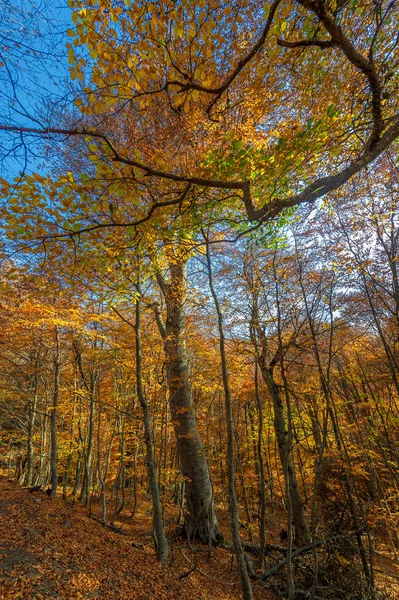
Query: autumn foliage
{"points": [[199, 299]]}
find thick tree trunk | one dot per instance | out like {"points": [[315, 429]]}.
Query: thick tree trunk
{"points": [[200, 518]]}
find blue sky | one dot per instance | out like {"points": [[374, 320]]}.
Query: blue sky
{"points": [[33, 70]]}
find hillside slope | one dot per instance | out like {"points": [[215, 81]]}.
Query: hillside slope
{"points": [[50, 549]]}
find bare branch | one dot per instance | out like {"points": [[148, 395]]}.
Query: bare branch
{"points": [[307, 43]]}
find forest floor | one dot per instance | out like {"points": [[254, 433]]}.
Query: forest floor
{"points": [[50, 548]]}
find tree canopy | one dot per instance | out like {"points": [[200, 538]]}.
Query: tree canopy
{"points": [[199, 290]]}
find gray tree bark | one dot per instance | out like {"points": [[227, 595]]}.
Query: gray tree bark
{"points": [[32, 409], [302, 533], [53, 417], [161, 543], [233, 504], [200, 519]]}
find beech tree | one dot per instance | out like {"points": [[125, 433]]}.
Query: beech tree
{"points": [[200, 519], [238, 119], [203, 84]]}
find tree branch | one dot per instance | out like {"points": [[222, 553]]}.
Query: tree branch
{"points": [[324, 185], [268, 211], [307, 43], [319, 8], [218, 91]]}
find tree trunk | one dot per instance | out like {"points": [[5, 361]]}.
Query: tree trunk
{"points": [[53, 418], [302, 534], [233, 504], [261, 472], [31, 428], [161, 543], [200, 518], [87, 473], [88, 452]]}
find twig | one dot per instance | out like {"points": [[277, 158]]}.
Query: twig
{"points": [[111, 527], [206, 574], [304, 550], [387, 574]]}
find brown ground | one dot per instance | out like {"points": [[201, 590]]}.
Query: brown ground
{"points": [[51, 549]]}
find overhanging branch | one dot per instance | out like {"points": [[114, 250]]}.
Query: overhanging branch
{"points": [[319, 188]]}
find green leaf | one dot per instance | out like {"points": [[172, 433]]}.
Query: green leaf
{"points": [[331, 112]]}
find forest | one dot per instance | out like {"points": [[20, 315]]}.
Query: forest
{"points": [[199, 299]]}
